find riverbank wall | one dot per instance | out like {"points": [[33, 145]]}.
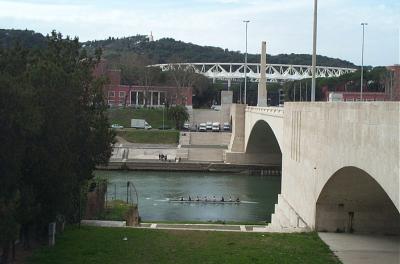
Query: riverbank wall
{"points": [[152, 165]]}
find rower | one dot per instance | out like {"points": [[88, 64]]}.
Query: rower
{"points": [[205, 198], [237, 200], [214, 199], [181, 198], [230, 198], [197, 198], [222, 199], [190, 198]]}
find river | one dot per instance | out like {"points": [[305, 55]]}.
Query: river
{"points": [[257, 193]]}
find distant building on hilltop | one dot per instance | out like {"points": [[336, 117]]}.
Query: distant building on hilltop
{"points": [[151, 38], [140, 96]]}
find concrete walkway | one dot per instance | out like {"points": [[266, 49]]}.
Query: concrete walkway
{"points": [[199, 227], [364, 249]]}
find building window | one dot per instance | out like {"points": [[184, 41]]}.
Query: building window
{"points": [[140, 98], [155, 98], [122, 94], [111, 93], [133, 97]]}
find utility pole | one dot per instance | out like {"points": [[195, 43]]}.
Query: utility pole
{"points": [[362, 60], [391, 84], [245, 66], [163, 127], [240, 92], [301, 99], [306, 92], [294, 92], [314, 55]]}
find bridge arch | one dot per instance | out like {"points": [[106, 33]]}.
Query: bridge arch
{"points": [[353, 201], [263, 145]]}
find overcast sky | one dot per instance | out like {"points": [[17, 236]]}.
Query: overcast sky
{"points": [[286, 25]]}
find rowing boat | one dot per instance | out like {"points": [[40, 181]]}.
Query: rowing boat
{"points": [[204, 201]]}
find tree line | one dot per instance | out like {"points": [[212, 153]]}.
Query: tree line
{"points": [[167, 50], [53, 132]]}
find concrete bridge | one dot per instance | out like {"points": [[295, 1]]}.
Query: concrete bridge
{"points": [[340, 163]]}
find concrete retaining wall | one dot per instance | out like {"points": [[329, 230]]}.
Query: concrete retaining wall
{"points": [[253, 158], [210, 138]]}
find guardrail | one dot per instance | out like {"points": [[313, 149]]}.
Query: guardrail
{"points": [[270, 110]]}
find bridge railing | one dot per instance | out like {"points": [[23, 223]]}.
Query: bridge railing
{"points": [[233, 71], [270, 110]]}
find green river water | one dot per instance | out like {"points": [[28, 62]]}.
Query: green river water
{"points": [[155, 188]]}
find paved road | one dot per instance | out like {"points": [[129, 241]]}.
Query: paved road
{"points": [[364, 249], [121, 142]]}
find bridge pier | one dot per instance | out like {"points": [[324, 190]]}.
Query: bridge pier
{"points": [[340, 163]]}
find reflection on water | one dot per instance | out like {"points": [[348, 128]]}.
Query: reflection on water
{"points": [[258, 193]]}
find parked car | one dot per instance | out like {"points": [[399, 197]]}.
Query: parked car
{"points": [[209, 126], [116, 126], [186, 126], [216, 107], [215, 127], [202, 127], [140, 123], [227, 127]]}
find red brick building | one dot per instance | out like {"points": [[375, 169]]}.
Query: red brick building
{"points": [[394, 80], [138, 96], [392, 92]]}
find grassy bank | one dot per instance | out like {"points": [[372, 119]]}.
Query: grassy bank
{"points": [[106, 245], [123, 116], [149, 136], [116, 210]]}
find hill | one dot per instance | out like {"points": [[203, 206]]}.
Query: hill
{"points": [[26, 38], [169, 50], [164, 50]]}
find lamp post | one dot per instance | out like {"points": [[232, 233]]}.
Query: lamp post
{"points": [[163, 116], [314, 55], [245, 66], [362, 60]]}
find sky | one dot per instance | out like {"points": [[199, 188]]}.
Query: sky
{"points": [[286, 25]]}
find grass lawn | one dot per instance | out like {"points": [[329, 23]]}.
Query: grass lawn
{"points": [[123, 116], [105, 245], [149, 136]]}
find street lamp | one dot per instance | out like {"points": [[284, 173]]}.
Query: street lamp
{"points": [[245, 66], [163, 116], [362, 60], [314, 55]]}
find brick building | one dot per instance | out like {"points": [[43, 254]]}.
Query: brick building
{"points": [[392, 92], [394, 80], [138, 96]]}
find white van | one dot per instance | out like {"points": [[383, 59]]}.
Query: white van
{"points": [[209, 125], [202, 127], [215, 127], [140, 123]]}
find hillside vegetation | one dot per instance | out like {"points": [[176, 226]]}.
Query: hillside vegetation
{"points": [[170, 50], [165, 50]]}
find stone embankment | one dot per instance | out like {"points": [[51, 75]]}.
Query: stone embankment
{"points": [[197, 151]]}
